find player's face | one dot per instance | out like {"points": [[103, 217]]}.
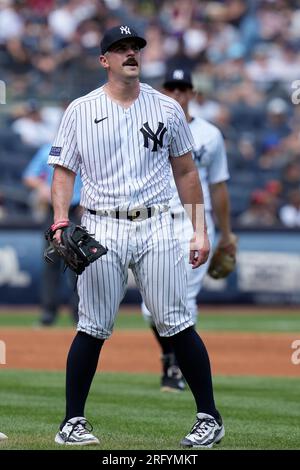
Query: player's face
{"points": [[179, 92], [123, 59]]}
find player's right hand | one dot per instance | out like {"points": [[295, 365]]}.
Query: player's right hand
{"points": [[199, 249]]}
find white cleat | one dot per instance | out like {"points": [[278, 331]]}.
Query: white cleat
{"points": [[206, 432], [76, 433]]}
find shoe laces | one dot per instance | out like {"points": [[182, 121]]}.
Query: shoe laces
{"points": [[81, 427], [202, 426], [174, 372]]}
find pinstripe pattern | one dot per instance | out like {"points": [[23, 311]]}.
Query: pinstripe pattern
{"points": [[102, 285], [183, 232], [210, 157], [116, 169], [153, 253], [125, 168]]}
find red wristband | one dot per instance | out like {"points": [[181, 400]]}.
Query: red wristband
{"points": [[59, 224]]}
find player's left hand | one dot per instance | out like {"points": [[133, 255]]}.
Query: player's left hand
{"points": [[223, 260], [74, 244], [199, 249]]}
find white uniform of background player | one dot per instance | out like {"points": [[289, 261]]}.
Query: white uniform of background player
{"points": [[210, 157]]}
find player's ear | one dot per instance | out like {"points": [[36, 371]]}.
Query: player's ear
{"points": [[103, 61]]}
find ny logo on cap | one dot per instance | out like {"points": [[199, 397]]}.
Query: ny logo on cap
{"points": [[178, 74], [125, 30]]}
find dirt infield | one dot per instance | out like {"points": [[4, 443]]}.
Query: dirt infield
{"points": [[267, 354]]}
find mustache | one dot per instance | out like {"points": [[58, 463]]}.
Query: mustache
{"points": [[130, 61]]}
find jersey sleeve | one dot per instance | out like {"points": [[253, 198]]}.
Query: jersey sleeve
{"points": [[218, 170], [182, 140], [64, 151]]}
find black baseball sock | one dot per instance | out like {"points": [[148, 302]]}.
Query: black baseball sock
{"points": [[81, 367], [164, 342], [194, 363]]}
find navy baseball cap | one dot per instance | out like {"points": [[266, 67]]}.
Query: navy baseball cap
{"points": [[119, 33], [178, 77]]}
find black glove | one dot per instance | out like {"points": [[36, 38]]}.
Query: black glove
{"points": [[78, 248]]}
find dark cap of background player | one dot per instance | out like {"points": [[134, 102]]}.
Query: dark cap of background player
{"points": [[178, 77]]}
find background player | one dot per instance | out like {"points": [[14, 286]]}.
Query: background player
{"points": [[124, 138], [210, 157], [38, 177]]}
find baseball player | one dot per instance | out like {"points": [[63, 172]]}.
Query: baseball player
{"points": [[210, 158], [125, 138]]}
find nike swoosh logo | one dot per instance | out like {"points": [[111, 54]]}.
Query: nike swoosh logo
{"points": [[96, 121]]}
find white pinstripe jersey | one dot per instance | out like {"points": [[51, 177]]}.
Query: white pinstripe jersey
{"points": [[209, 155], [122, 154]]}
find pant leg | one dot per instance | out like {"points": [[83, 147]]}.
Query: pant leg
{"points": [[73, 300], [102, 285], [183, 232], [160, 274], [50, 289], [146, 314]]}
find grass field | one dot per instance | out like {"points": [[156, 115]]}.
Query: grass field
{"points": [[281, 321], [129, 412]]}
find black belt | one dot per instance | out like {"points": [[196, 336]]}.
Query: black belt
{"points": [[144, 213]]}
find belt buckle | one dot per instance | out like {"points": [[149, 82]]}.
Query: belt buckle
{"points": [[134, 214], [137, 215]]}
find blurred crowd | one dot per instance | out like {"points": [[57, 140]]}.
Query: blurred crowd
{"points": [[244, 56]]}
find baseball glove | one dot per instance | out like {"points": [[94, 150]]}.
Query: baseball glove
{"points": [[223, 261], [78, 248]]}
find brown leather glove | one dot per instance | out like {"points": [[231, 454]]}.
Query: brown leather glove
{"points": [[223, 261]]}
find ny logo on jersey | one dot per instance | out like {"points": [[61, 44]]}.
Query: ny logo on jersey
{"points": [[157, 136], [125, 30], [198, 154]]}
